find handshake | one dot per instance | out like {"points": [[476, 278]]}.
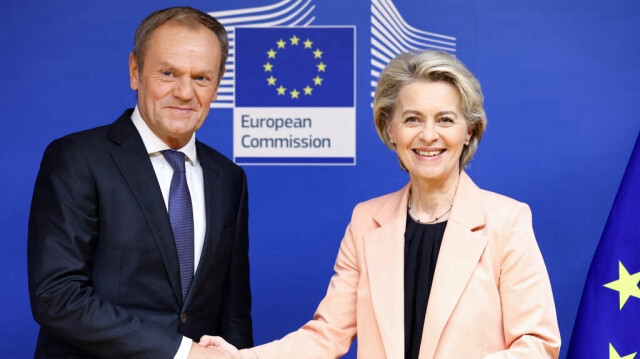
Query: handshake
{"points": [[211, 347]]}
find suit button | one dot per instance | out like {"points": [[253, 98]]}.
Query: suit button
{"points": [[183, 318]]}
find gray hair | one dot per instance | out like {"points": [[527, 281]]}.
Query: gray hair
{"points": [[183, 15]]}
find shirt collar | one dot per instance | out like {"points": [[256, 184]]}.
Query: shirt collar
{"points": [[154, 144]]}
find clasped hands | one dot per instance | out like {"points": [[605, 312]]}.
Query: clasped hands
{"points": [[214, 348]]}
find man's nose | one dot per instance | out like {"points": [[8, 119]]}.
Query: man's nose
{"points": [[183, 89]]}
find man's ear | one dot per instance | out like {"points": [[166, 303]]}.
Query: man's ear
{"points": [[134, 72]]}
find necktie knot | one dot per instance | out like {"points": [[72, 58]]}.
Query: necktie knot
{"points": [[175, 159]]}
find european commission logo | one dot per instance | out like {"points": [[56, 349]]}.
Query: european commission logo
{"points": [[294, 95], [295, 67]]}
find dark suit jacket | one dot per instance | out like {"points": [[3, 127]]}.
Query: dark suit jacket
{"points": [[103, 268]]}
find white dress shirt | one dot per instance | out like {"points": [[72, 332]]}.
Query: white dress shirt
{"points": [[195, 182]]}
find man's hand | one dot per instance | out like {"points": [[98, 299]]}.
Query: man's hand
{"points": [[217, 342], [211, 352]]}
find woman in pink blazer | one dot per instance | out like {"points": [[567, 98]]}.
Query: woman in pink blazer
{"points": [[441, 268]]}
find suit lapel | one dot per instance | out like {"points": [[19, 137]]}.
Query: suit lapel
{"points": [[384, 253], [213, 206], [132, 160], [459, 255]]}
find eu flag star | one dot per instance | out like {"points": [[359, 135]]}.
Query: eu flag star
{"points": [[267, 67], [281, 90], [281, 44], [317, 54], [294, 40], [271, 81], [295, 93], [626, 285], [321, 66], [613, 354], [271, 54], [317, 81]]}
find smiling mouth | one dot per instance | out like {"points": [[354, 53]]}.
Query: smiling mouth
{"points": [[428, 153], [180, 108]]}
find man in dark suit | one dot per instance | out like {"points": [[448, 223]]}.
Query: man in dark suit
{"points": [[138, 239]]}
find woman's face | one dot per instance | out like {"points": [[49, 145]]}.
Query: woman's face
{"points": [[429, 130]]}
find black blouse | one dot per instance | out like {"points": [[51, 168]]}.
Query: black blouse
{"points": [[421, 247]]}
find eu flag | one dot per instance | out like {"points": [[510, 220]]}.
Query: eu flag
{"points": [[294, 67], [608, 321]]}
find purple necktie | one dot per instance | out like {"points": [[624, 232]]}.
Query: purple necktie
{"points": [[181, 217]]}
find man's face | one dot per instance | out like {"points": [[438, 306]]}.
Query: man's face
{"points": [[178, 82]]}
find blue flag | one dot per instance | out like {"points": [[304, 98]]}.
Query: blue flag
{"points": [[608, 321], [294, 67]]}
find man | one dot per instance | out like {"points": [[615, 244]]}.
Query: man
{"points": [[123, 215]]}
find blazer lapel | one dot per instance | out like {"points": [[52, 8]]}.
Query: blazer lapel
{"points": [[384, 253], [132, 160], [213, 206], [459, 254]]}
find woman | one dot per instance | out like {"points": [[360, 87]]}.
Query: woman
{"points": [[489, 294]]}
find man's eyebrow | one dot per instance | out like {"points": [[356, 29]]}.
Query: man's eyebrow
{"points": [[209, 72]]}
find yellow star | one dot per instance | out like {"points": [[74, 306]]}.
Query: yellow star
{"points": [[272, 54], [294, 93], [307, 44], [267, 67], [613, 354], [294, 40], [281, 44], [317, 81], [281, 90], [307, 90], [317, 54], [321, 67], [271, 80], [627, 284]]}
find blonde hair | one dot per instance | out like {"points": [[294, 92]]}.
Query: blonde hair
{"points": [[430, 65]]}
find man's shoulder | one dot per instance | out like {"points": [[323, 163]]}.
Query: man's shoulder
{"points": [[91, 143], [210, 157], [88, 135], [93, 136]]}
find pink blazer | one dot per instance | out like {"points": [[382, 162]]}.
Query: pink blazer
{"points": [[490, 298]]}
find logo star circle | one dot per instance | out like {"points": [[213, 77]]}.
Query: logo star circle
{"points": [[281, 44]]}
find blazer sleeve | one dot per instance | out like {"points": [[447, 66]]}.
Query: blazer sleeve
{"points": [[235, 313], [333, 328], [64, 227], [529, 316]]}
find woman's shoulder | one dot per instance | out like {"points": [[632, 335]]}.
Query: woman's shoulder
{"points": [[498, 206], [381, 200], [383, 206], [489, 199], [498, 199]]}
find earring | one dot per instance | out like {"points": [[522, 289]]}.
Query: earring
{"points": [[467, 143]]}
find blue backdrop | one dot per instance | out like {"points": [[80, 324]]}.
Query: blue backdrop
{"points": [[561, 81]]}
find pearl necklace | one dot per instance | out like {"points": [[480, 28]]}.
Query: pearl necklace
{"points": [[430, 222]]}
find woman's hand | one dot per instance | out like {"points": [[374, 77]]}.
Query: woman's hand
{"points": [[209, 340]]}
